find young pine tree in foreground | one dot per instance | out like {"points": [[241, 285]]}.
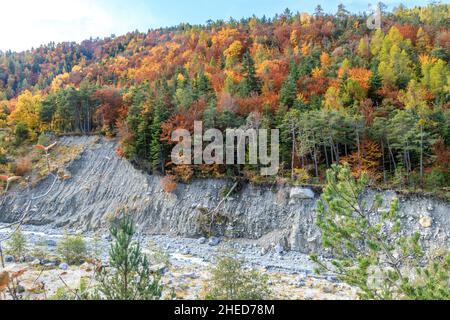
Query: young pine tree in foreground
{"points": [[368, 249], [129, 276]]}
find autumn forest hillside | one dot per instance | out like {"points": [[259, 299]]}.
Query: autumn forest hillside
{"points": [[339, 93]]}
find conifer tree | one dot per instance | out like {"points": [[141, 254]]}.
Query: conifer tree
{"points": [[129, 276], [250, 84], [288, 92], [155, 145], [368, 248]]}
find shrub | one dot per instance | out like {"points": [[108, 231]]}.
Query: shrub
{"points": [[168, 184], [23, 166], [211, 223], [72, 248], [95, 248], [230, 281], [183, 172], [16, 246], [44, 139], [157, 256], [3, 159], [21, 132], [301, 175], [436, 179], [80, 293], [40, 250]]}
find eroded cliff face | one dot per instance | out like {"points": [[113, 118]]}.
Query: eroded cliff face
{"points": [[101, 183]]}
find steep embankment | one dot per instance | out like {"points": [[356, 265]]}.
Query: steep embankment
{"points": [[101, 183]]}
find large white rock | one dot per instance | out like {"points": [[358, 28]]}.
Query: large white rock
{"points": [[301, 193], [426, 221]]}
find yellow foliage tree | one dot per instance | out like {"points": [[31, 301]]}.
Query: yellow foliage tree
{"points": [[27, 111], [232, 53], [332, 99]]}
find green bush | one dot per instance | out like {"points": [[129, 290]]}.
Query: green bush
{"points": [[80, 293], [21, 132], [230, 281], [3, 159], [72, 248], [157, 256], [40, 250], [436, 179], [44, 139]]}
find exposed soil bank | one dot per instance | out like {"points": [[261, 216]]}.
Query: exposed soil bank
{"points": [[100, 183]]}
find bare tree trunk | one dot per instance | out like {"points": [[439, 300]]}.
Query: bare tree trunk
{"points": [[293, 154], [359, 150], [384, 162], [315, 162], [391, 155], [1, 256]]}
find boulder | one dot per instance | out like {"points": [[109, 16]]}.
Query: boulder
{"points": [[64, 266], [298, 193], [213, 241], [426, 221], [279, 249], [201, 240], [86, 267], [51, 243], [191, 275], [159, 268], [36, 262], [9, 259], [50, 265]]}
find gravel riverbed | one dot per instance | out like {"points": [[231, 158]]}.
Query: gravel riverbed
{"points": [[291, 274]]}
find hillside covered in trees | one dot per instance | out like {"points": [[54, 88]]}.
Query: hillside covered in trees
{"points": [[339, 92]]}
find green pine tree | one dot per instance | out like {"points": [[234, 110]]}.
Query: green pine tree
{"points": [[156, 157], [375, 83], [129, 276], [251, 83], [288, 92], [368, 249]]}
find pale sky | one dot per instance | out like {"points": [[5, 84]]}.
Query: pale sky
{"points": [[30, 23]]}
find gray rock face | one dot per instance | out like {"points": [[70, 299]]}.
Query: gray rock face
{"points": [[213, 241], [102, 183]]}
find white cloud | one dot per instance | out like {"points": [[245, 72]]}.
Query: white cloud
{"points": [[30, 23]]}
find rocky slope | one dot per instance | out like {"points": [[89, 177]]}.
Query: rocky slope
{"points": [[97, 183]]}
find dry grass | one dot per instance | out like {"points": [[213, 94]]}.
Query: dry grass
{"points": [[23, 166], [168, 184]]}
